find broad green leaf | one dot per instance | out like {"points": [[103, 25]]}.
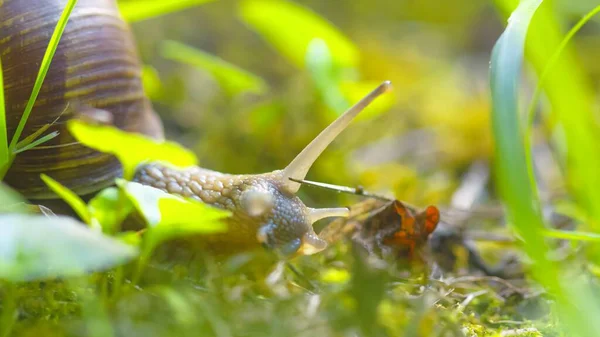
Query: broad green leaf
{"points": [[45, 65], [139, 10], [69, 197], [11, 201], [290, 28], [232, 79], [130, 238], [169, 215], [130, 148], [109, 208], [36, 247]]}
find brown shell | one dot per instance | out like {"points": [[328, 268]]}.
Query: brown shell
{"points": [[96, 65]]}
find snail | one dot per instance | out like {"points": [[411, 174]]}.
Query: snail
{"points": [[96, 65]]}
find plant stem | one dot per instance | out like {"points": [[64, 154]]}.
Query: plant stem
{"points": [[9, 305]]}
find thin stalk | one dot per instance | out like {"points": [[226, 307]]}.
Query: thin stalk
{"points": [[538, 89], [3, 137], [9, 305], [48, 56]]}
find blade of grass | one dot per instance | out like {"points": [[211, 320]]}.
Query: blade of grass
{"points": [[3, 137], [572, 99], [134, 11], [70, 198], [290, 27], [572, 235], [540, 83], [233, 79], [32, 137], [45, 65], [518, 192], [36, 142]]}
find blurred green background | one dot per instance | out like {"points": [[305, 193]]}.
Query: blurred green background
{"points": [[416, 142]]}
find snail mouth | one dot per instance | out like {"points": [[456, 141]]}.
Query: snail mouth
{"points": [[311, 244]]}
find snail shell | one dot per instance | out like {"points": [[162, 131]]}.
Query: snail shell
{"points": [[95, 66]]}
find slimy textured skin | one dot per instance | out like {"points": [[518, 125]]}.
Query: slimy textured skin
{"points": [[262, 212], [265, 209]]}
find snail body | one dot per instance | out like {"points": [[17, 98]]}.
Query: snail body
{"points": [[96, 66], [264, 206]]}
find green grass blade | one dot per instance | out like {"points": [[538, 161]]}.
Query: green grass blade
{"points": [[231, 78], [290, 28], [50, 51], [3, 137], [323, 73], [572, 235], [515, 188], [31, 138], [69, 197], [538, 89], [134, 11], [36, 142], [572, 101], [573, 297]]}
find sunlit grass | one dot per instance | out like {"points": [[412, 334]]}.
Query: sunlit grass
{"points": [[290, 28], [517, 188], [570, 97], [15, 146], [231, 78], [3, 136], [139, 10]]}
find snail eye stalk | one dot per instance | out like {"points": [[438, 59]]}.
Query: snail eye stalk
{"points": [[299, 167]]}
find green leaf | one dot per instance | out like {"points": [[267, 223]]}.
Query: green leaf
{"points": [[151, 82], [572, 235], [573, 109], [516, 188], [36, 247], [109, 208], [324, 75], [130, 237], [130, 148], [338, 92], [69, 197], [139, 10], [11, 201], [168, 215], [45, 65], [232, 79], [182, 309], [290, 28], [512, 178]]}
